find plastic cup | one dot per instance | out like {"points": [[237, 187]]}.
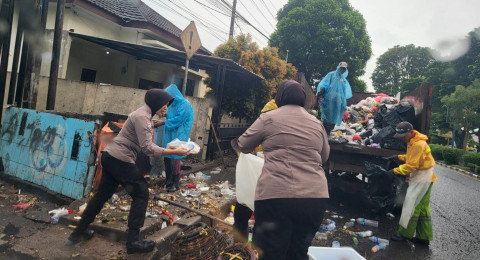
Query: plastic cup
{"points": [[336, 244]]}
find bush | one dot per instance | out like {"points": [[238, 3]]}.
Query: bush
{"points": [[452, 156], [437, 151], [471, 158]]}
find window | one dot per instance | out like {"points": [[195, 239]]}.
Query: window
{"points": [[88, 75], [148, 84], [190, 86]]}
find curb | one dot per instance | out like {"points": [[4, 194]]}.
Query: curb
{"points": [[459, 170]]}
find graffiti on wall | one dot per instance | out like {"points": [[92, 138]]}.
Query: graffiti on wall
{"points": [[47, 149]]}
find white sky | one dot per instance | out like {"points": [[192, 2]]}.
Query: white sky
{"points": [[439, 24]]}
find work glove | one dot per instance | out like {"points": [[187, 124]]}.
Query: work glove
{"points": [[390, 173], [393, 157]]}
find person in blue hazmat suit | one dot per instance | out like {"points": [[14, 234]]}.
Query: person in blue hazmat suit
{"points": [[332, 94], [178, 124]]}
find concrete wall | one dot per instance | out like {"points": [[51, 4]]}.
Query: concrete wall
{"points": [[48, 150], [92, 98]]}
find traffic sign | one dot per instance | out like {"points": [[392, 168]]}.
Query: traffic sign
{"points": [[190, 40]]}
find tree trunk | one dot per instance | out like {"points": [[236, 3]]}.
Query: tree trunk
{"points": [[465, 137]]}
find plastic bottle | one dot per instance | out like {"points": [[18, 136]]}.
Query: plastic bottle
{"points": [[365, 233], [336, 244], [378, 247], [251, 224], [367, 222], [348, 225], [355, 241], [379, 240], [331, 226]]}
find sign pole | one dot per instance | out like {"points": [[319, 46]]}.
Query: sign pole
{"points": [[191, 42], [184, 87]]}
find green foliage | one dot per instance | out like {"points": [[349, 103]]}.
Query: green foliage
{"points": [[437, 151], [319, 34], [245, 101], [471, 142], [471, 157], [358, 85], [445, 76], [399, 65], [463, 106], [473, 167], [452, 155]]}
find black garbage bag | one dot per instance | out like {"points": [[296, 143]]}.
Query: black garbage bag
{"points": [[388, 131], [379, 114], [339, 140], [391, 118], [399, 113], [379, 182], [393, 144], [406, 112]]}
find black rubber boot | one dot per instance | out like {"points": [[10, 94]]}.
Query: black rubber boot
{"points": [[141, 246], [176, 183], [78, 236]]}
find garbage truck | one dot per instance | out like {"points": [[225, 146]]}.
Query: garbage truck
{"points": [[350, 164]]}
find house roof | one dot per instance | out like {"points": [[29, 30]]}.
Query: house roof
{"points": [[235, 71], [137, 14]]}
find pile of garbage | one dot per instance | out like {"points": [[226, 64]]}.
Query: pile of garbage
{"points": [[372, 122], [196, 193]]}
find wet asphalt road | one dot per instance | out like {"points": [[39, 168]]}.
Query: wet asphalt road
{"points": [[455, 210], [455, 206]]}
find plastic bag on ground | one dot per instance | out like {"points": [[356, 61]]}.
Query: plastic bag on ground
{"points": [[249, 168]]}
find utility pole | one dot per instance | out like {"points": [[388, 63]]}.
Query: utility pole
{"points": [[57, 40], [16, 57], [232, 21], [7, 8], [286, 58]]}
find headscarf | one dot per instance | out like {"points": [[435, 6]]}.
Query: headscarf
{"points": [[157, 98], [290, 92]]}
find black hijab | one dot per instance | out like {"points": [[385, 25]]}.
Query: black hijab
{"points": [[290, 92], [157, 98]]}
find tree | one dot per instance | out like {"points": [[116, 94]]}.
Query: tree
{"points": [[400, 64], [464, 107], [246, 102], [318, 34], [358, 85]]}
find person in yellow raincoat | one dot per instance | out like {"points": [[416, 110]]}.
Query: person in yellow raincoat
{"points": [[415, 220], [242, 213]]}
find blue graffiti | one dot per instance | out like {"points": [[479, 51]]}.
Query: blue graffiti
{"points": [[48, 148]]}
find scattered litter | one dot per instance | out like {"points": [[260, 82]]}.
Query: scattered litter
{"points": [[365, 233], [81, 209], [230, 219], [21, 206], [390, 216], [320, 236]]}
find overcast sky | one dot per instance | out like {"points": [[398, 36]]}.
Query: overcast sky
{"points": [[438, 24]]}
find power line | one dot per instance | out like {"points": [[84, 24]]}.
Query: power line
{"points": [[246, 21], [203, 22], [268, 9], [168, 8], [199, 18], [208, 7], [260, 11]]}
